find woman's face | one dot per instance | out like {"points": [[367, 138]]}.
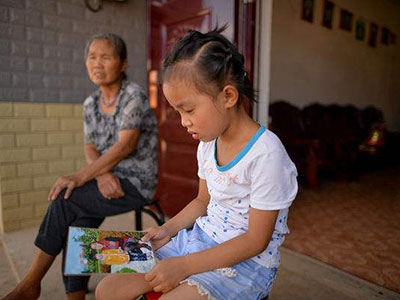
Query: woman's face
{"points": [[103, 64]]}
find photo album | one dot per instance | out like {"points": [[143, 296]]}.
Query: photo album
{"points": [[104, 251]]}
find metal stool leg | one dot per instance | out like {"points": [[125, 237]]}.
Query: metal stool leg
{"points": [[138, 216], [158, 216]]}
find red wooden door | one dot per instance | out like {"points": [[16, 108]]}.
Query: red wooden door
{"points": [[168, 21]]}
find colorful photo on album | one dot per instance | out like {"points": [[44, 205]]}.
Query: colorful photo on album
{"points": [[107, 251]]}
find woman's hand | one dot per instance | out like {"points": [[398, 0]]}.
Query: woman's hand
{"points": [[70, 182], [167, 274], [159, 236], [109, 186]]}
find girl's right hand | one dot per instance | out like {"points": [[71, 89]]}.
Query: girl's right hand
{"points": [[158, 236]]}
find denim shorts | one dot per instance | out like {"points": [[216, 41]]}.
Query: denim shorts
{"points": [[246, 280]]}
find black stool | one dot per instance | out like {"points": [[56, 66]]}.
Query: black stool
{"points": [[157, 214]]}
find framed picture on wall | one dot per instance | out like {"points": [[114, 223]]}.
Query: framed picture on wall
{"points": [[307, 11], [360, 30], [346, 20], [373, 35], [327, 17], [385, 38]]}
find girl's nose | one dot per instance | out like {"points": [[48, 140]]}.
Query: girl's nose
{"points": [[185, 122]]}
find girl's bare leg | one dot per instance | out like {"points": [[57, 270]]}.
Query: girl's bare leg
{"points": [[29, 287], [122, 287], [184, 292]]}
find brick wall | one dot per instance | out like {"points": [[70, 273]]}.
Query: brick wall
{"points": [[38, 142], [42, 46]]}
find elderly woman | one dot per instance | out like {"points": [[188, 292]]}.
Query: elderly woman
{"points": [[121, 172]]}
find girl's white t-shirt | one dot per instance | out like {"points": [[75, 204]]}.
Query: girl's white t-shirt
{"points": [[261, 176]]}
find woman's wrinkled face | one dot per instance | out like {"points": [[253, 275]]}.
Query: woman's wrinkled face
{"points": [[103, 64]]}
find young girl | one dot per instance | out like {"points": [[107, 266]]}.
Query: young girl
{"points": [[225, 243]]}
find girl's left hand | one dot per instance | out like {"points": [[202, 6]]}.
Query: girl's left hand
{"points": [[167, 274]]}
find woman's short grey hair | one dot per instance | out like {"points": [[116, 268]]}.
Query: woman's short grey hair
{"points": [[116, 41]]}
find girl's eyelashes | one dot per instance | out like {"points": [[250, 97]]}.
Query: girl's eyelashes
{"points": [[188, 110]]}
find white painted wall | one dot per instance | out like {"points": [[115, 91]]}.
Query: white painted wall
{"points": [[310, 63], [262, 74]]}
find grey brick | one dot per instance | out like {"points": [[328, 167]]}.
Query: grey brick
{"points": [[16, 32], [50, 81], [18, 48], [50, 66], [44, 95], [4, 15], [64, 53], [67, 67], [18, 63], [37, 94], [4, 30], [20, 79], [101, 16], [80, 84], [49, 21], [34, 34], [70, 39], [50, 51], [78, 54], [20, 94], [71, 96], [35, 50], [35, 81], [5, 94], [4, 46], [4, 63], [78, 3], [5, 79], [83, 27], [52, 96], [17, 16], [50, 37], [35, 65], [34, 4], [70, 11], [13, 3], [33, 18], [65, 82], [48, 6], [64, 25]]}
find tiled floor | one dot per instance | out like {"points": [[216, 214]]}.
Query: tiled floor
{"points": [[300, 277], [355, 226]]}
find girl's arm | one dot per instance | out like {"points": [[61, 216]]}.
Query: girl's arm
{"points": [[127, 140], [238, 249], [184, 219], [187, 216], [168, 273]]}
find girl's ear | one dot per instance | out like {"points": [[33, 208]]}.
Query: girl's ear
{"points": [[231, 95]]}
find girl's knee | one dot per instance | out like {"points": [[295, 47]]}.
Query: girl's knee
{"points": [[103, 289]]}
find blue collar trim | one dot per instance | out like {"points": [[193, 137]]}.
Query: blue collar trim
{"points": [[241, 154]]}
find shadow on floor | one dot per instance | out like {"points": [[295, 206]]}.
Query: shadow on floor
{"points": [[299, 277]]}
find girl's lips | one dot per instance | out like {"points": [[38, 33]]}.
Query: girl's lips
{"points": [[195, 135]]}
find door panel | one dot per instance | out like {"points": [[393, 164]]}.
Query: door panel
{"points": [[170, 20]]}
